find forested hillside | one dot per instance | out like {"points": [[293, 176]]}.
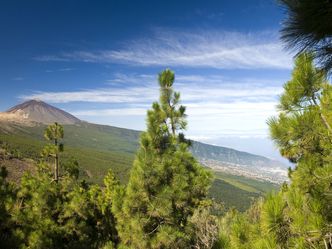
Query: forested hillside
{"points": [[98, 148], [105, 138]]}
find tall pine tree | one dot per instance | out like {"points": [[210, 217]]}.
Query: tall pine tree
{"points": [[54, 133], [299, 216], [302, 131], [166, 183]]}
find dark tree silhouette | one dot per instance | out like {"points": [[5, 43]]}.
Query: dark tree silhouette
{"points": [[308, 28]]}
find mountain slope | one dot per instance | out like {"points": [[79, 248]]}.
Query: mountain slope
{"points": [[105, 138]]}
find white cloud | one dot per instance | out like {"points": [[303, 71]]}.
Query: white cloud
{"points": [[215, 49], [216, 106]]}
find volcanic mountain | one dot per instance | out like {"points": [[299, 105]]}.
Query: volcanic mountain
{"points": [[38, 111]]}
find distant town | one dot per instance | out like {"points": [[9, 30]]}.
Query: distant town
{"points": [[275, 175]]}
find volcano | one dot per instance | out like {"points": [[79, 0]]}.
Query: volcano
{"points": [[40, 112]]}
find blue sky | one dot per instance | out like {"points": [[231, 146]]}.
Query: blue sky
{"points": [[99, 60]]}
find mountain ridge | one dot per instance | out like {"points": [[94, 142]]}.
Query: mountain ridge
{"points": [[196, 149]]}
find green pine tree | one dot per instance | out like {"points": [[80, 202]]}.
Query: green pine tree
{"points": [[166, 183], [54, 133], [302, 131]]}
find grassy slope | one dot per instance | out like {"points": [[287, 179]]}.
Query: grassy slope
{"points": [[99, 148], [238, 191]]}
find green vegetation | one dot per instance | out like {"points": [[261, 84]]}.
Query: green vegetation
{"points": [[97, 148], [94, 163], [7, 194], [238, 192], [51, 210], [231, 196], [247, 184], [83, 135]]}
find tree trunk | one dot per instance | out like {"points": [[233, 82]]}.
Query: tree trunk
{"points": [[56, 168], [326, 123], [56, 163], [322, 116]]}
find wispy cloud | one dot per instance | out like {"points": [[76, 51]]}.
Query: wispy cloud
{"points": [[143, 89], [215, 49], [215, 104], [112, 112], [133, 79], [67, 69], [105, 95]]}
